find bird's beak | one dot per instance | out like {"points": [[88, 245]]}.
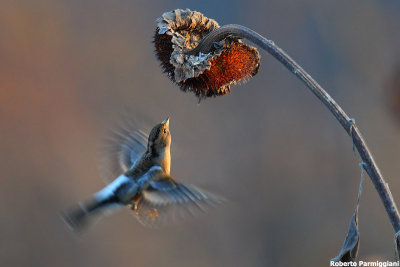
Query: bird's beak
{"points": [[166, 122]]}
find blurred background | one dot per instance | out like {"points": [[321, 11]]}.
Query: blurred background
{"points": [[70, 69]]}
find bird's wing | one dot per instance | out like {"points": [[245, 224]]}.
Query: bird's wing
{"points": [[166, 201], [132, 149], [123, 149]]}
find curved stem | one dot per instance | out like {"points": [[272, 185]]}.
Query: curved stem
{"points": [[207, 45]]}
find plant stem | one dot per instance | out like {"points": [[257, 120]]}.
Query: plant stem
{"points": [[207, 45]]}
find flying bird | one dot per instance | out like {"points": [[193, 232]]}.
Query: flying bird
{"points": [[145, 185]]}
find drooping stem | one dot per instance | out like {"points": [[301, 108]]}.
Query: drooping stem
{"points": [[207, 45]]}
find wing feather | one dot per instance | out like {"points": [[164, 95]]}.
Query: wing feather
{"points": [[167, 202], [123, 148]]}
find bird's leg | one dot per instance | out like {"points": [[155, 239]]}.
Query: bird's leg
{"points": [[136, 200]]}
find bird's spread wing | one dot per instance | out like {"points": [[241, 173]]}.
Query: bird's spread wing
{"points": [[132, 149], [123, 148], [166, 201]]}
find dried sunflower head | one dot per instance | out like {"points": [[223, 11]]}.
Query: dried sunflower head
{"points": [[210, 74]]}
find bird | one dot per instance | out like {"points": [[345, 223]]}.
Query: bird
{"points": [[145, 185]]}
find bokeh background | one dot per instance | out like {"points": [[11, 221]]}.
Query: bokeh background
{"points": [[70, 69]]}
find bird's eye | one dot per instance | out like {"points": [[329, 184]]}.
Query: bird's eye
{"points": [[165, 130]]}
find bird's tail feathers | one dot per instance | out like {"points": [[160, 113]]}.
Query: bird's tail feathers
{"points": [[84, 213]]}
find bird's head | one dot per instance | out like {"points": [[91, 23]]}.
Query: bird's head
{"points": [[160, 137]]}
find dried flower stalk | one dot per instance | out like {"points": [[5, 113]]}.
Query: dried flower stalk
{"points": [[210, 43]]}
